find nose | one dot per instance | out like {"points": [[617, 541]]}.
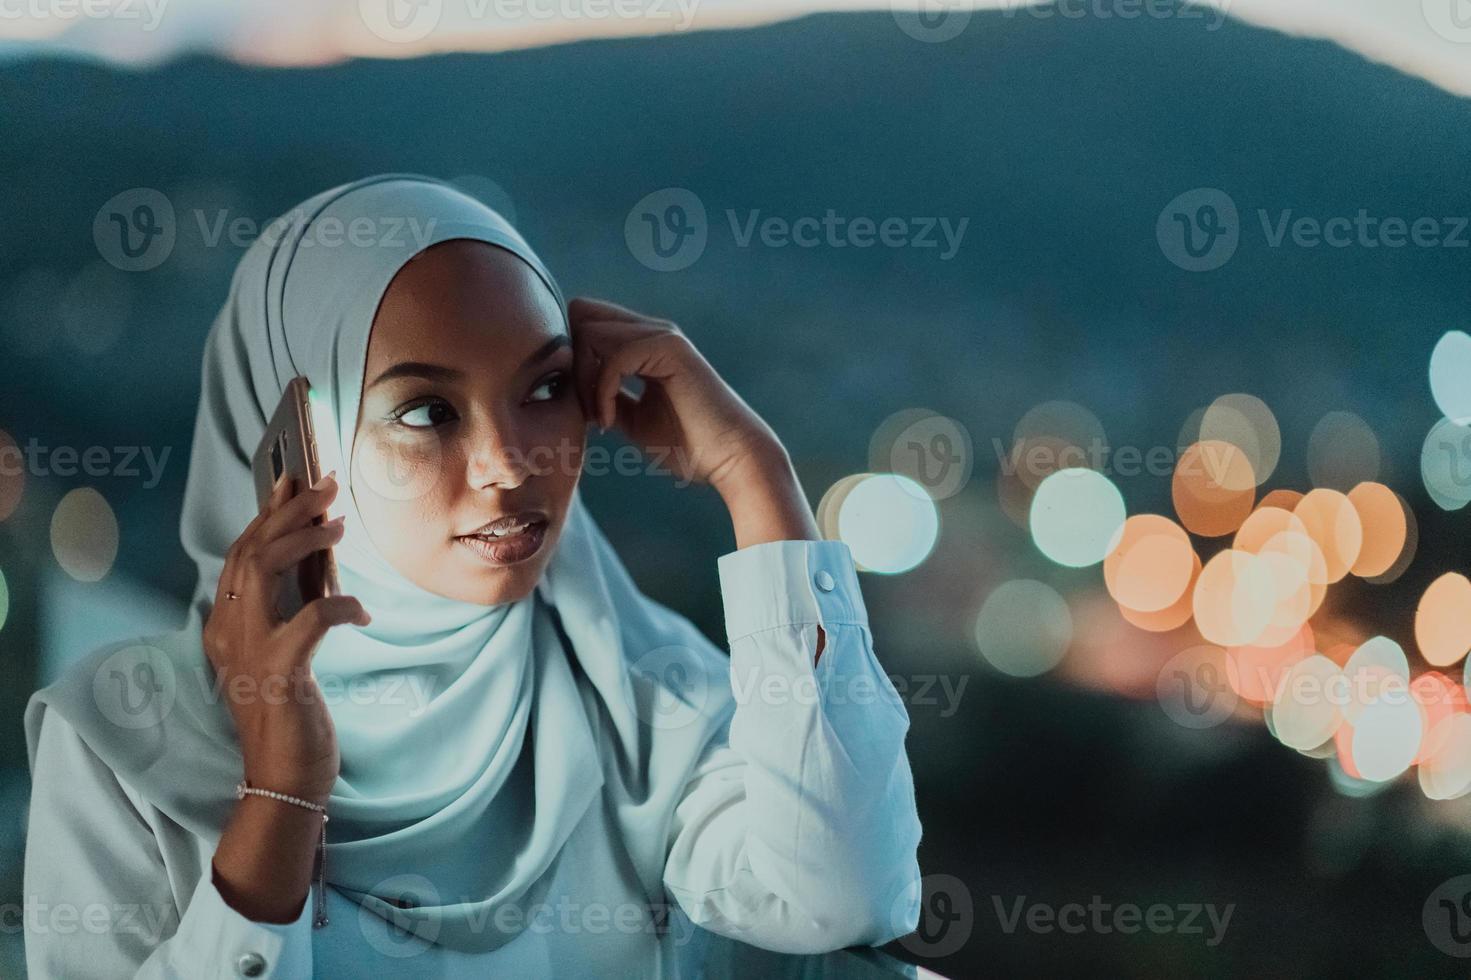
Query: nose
{"points": [[496, 459]]}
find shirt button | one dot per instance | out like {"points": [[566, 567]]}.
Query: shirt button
{"points": [[251, 965], [825, 581]]}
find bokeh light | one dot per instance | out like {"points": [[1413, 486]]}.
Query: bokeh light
{"points": [[1172, 617], [4, 599], [889, 523], [1333, 524], [1450, 376], [1234, 598], [1443, 620], [1024, 628], [1077, 517], [1263, 525], [1445, 464], [1255, 671], [1445, 769], [1060, 434], [831, 504], [1407, 553], [1386, 737], [1246, 422], [1304, 712], [1439, 697], [1385, 528], [1342, 452], [12, 475], [1213, 488], [1152, 566], [84, 535], [1378, 663], [931, 449]]}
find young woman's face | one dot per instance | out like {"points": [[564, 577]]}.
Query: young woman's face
{"points": [[469, 414]]}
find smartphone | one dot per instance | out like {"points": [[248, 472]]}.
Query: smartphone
{"points": [[288, 451]]}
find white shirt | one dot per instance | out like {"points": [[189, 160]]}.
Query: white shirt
{"points": [[798, 835]]}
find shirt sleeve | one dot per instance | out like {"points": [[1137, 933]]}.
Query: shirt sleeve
{"points": [[800, 834], [97, 896]]}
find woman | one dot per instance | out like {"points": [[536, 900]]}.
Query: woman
{"points": [[506, 755]]}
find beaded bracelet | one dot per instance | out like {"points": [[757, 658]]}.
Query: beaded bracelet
{"points": [[243, 789]]}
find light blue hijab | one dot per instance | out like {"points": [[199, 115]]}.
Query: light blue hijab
{"points": [[474, 739]]}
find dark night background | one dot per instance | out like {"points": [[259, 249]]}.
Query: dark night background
{"points": [[1061, 141]]}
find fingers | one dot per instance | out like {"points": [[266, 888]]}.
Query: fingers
{"points": [[306, 629], [605, 393], [647, 358], [585, 364], [230, 573], [300, 510], [290, 548], [585, 307]]}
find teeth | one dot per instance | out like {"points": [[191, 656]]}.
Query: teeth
{"points": [[512, 530]]}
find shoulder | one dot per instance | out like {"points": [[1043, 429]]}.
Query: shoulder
{"points": [[117, 696]]}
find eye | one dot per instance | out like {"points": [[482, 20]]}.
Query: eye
{"points": [[424, 414], [556, 382]]}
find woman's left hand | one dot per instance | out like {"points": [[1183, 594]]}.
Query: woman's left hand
{"points": [[688, 415]]}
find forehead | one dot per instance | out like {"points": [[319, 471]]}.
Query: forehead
{"points": [[460, 301]]}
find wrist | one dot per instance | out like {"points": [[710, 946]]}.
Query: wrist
{"points": [[766, 503]]}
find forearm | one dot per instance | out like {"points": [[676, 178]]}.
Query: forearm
{"points": [[263, 863], [766, 501]]}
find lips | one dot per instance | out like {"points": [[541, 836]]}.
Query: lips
{"points": [[508, 539], [509, 523]]}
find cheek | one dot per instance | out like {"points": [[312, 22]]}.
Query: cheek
{"points": [[396, 469], [558, 451], [398, 484]]}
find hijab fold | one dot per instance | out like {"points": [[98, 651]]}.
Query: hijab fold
{"points": [[474, 739]]}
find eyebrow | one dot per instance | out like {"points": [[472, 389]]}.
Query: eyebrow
{"points": [[439, 372]]}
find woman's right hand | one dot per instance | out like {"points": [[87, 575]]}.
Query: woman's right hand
{"points": [[262, 662]]}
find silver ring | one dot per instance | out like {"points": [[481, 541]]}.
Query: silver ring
{"points": [[232, 595]]}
